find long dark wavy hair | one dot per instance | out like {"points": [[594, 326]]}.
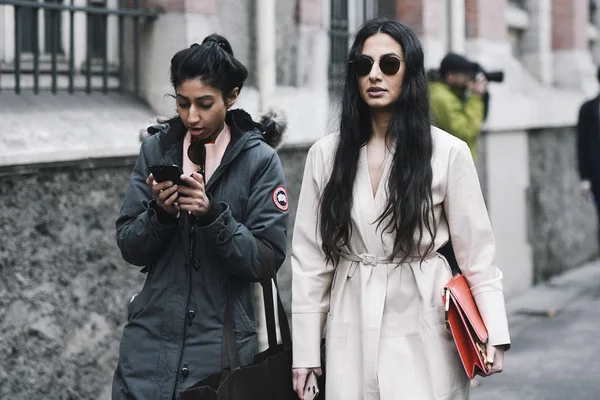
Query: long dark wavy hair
{"points": [[409, 208]]}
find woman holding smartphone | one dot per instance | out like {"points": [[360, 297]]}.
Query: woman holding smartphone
{"points": [[198, 241], [378, 200]]}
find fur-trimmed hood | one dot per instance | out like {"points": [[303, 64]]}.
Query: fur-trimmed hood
{"points": [[272, 125]]}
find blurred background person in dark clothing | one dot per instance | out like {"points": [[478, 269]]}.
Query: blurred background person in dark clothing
{"points": [[588, 148]]}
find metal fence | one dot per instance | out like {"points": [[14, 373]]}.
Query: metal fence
{"points": [[56, 68]]}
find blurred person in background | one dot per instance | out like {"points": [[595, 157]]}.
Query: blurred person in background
{"points": [[199, 241], [378, 199], [588, 150], [458, 99]]}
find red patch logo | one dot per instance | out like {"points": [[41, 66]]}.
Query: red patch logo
{"points": [[280, 198]]}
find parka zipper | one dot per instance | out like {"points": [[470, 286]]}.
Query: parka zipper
{"points": [[187, 320], [192, 244]]}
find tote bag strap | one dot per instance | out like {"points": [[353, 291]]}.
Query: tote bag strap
{"points": [[229, 355], [448, 251]]}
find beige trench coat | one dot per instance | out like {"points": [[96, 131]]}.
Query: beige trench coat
{"points": [[385, 333]]}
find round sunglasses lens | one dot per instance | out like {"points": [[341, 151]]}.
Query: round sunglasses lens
{"points": [[389, 65], [363, 66]]}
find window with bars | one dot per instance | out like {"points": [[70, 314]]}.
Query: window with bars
{"points": [[53, 30], [48, 26], [29, 32], [97, 30], [338, 43], [346, 16]]}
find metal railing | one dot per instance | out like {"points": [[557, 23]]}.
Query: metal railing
{"points": [[95, 71]]}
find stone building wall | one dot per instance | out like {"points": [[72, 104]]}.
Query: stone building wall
{"points": [[64, 287], [562, 222]]}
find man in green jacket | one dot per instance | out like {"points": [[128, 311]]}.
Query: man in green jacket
{"points": [[457, 104]]}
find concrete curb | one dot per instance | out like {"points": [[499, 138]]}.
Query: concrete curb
{"points": [[550, 298]]}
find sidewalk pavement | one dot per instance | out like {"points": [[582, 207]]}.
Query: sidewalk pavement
{"points": [[555, 352]]}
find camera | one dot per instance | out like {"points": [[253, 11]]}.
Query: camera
{"points": [[492, 76], [433, 74]]}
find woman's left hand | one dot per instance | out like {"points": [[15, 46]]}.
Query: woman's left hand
{"points": [[194, 199], [495, 358]]}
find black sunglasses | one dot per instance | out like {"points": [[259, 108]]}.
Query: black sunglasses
{"points": [[389, 64]]}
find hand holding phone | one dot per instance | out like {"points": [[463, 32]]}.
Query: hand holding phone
{"points": [[311, 388], [165, 195]]}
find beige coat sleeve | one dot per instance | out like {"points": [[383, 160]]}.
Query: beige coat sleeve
{"points": [[473, 242], [311, 275]]}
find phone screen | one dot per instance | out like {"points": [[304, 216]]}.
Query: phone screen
{"points": [[311, 389], [163, 173]]}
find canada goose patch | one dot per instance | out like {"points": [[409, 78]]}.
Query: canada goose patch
{"points": [[280, 198]]}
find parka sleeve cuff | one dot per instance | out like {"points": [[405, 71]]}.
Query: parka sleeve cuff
{"points": [[493, 312], [213, 212], [308, 332], [163, 218], [222, 228]]}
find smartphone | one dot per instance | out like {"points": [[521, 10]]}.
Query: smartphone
{"points": [[311, 389], [163, 173]]}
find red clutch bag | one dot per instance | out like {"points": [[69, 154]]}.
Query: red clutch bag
{"points": [[464, 322]]}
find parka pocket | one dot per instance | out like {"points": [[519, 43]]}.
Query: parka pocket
{"points": [[243, 314], [442, 356]]}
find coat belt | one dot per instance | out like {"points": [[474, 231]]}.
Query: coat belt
{"points": [[374, 259]]}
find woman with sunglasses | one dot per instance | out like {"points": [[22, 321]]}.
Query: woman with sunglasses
{"points": [[201, 241], [377, 202]]}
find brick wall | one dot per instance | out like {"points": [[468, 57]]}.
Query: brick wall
{"points": [[201, 6], [192, 6], [423, 16], [569, 24], [166, 5], [485, 19], [432, 18], [309, 12], [410, 12], [471, 8]]}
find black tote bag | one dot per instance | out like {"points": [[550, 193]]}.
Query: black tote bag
{"points": [[269, 376]]}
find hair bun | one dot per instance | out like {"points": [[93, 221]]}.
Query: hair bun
{"points": [[194, 45], [219, 41]]}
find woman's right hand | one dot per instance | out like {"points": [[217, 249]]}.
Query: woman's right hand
{"points": [[165, 194], [299, 379]]}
